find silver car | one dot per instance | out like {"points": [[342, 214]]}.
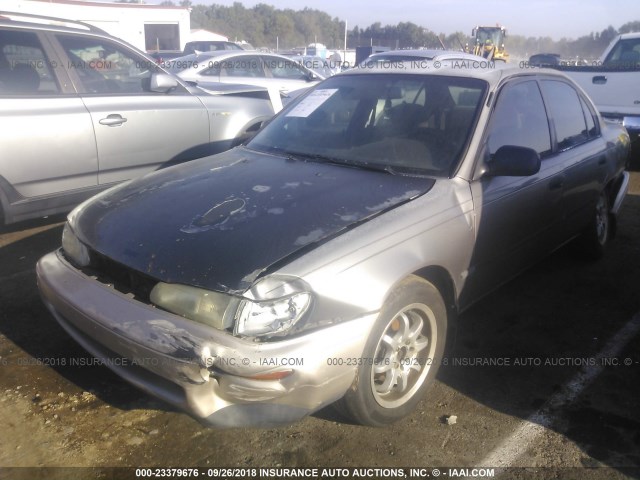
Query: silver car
{"points": [[327, 259], [276, 72], [82, 110], [418, 55]]}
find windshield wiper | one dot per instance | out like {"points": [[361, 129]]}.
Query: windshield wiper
{"points": [[316, 157], [340, 162]]}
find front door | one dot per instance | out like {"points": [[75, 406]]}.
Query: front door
{"points": [[136, 130], [517, 218]]}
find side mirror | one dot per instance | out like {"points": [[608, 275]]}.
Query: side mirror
{"points": [[473, 32], [512, 161], [162, 82]]}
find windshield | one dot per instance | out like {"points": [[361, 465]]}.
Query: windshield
{"points": [[493, 35], [394, 122]]}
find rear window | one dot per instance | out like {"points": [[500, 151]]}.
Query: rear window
{"points": [[209, 46]]}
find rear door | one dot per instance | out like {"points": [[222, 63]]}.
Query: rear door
{"points": [[579, 144], [136, 130], [48, 145]]}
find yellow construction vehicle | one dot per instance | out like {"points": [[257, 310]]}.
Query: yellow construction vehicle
{"points": [[489, 43]]}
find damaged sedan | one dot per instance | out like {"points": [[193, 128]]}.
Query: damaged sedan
{"points": [[326, 260]]}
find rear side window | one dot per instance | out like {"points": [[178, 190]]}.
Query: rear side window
{"points": [[565, 109], [215, 67], [24, 67], [288, 69], [589, 116], [520, 119], [242, 66]]}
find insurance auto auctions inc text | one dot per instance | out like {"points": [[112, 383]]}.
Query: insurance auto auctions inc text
{"points": [[375, 472]]}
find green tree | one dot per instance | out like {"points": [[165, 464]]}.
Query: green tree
{"points": [[266, 26], [630, 27]]}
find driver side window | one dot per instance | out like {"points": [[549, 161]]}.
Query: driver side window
{"points": [[520, 119], [102, 67]]}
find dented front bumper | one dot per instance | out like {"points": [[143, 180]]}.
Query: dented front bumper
{"points": [[223, 380]]}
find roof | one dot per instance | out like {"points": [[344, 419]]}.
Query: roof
{"points": [[200, 34], [491, 72], [88, 3], [429, 54], [21, 19]]}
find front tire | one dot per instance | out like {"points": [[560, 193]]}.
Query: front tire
{"points": [[401, 356]]}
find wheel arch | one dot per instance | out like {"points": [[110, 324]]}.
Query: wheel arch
{"points": [[248, 130], [442, 280], [5, 215], [611, 189]]}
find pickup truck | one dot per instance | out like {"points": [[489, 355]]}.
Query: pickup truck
{"points": [[613, 82]]}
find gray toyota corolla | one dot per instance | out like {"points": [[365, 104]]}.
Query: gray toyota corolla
{"points": [[326, 259]]}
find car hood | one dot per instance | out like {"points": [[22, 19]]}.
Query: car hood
{"points": [[221, 221]]}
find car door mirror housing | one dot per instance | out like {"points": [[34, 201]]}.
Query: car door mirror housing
{"points": [[512, 161], [162, 82]]}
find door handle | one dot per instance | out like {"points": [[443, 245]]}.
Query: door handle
{"points": [[113, 120], [599, 80]]}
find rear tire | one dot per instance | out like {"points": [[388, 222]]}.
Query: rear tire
{"points": [[596, 236], [401, 356]]}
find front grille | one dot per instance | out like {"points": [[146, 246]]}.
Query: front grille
{"points": [[120, 277]]}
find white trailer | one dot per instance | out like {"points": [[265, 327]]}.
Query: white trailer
{"points": [[150, 28]]}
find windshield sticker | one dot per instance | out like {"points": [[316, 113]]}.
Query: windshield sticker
{"points": [[309, 105]]}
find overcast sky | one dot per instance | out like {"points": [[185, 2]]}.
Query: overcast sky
{"points": [[556, 19]]}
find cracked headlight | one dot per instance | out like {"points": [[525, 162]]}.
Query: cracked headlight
{"points": [[74, 248], [274, 305], [273, 316], [203, 306]]}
